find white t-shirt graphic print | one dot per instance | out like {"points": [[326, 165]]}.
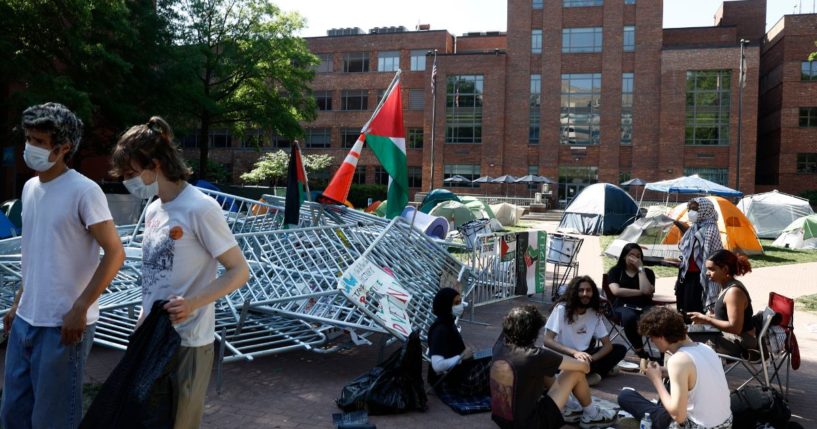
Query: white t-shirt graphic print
{"points": [[182, 240], [579, 334]]}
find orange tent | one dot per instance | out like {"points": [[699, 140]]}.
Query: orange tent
{"points": [[737, 231]]}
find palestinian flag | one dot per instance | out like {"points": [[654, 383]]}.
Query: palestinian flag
{"points": [[387, 139], [297, 186]]}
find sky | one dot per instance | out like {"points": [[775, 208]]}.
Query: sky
{"points": [[461, 16]]}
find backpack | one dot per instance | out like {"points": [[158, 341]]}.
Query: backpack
{"points": [[756, 405]]}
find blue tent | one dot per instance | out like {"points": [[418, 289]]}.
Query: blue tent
{"points": [[7, 229], [601, 208], [693, 184]]}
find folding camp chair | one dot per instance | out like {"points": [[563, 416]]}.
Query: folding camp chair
{"points": [[756, 366], [616, 330], [789, 353]]}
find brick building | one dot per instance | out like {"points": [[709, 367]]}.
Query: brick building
{"points": [[583, 91]]}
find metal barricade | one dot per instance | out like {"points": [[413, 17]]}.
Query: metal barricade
{"points": [[495, 278]]}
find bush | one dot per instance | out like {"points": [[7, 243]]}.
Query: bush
{"points": [[359, 194], [811, 196], [216, 172]]}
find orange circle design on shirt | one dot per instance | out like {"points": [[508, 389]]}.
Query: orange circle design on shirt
{"points": [[176, 232]]}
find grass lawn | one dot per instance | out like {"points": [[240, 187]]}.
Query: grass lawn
{"points": [[806, 303], [772, 256]]}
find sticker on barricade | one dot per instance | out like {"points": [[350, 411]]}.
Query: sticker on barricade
{"points": [[377, 292]]}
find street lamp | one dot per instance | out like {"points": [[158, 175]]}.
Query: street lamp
{"points": [[741, 83]]}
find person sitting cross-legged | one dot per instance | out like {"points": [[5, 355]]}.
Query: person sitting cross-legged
{"points": [[698, 395], [525, 391], [576, 325]]}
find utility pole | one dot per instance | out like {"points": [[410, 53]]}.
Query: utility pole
{"points": [[741, 84]]}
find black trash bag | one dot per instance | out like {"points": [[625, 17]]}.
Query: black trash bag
{"points": [[139, 392], [394, 386], [753, 405]]}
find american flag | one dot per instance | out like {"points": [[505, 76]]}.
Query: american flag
{"points": [[434, 75]]}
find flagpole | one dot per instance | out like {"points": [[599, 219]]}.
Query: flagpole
{"points": [[433, 117], [741, 84]]}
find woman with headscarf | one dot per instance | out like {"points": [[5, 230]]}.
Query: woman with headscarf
{"points": [[694, 292], [453, 367]]}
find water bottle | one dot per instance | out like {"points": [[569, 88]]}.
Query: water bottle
{"points": [[646, 422]]}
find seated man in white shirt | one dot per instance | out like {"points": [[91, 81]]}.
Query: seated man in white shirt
{"points": [[575, 327]]}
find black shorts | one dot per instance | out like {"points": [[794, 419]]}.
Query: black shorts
{"points": [[550, 416]]}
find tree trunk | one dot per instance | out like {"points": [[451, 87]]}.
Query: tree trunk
{"points": [[204, 144]]}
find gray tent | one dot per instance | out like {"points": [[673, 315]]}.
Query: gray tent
{"points": [[772, 212]]}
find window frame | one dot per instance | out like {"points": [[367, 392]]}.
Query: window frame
{"points": [[628, 30], [536, 41], [348, 95], [571, 47], [349, 59], [389, 63], [708, 109], [806, 163]]}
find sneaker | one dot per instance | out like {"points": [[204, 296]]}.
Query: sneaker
{"points": [[593, 379], [603, 419], [573, 410], [614, 371]]}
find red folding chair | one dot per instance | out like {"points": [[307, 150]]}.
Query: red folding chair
{"points": [[789, 354]]}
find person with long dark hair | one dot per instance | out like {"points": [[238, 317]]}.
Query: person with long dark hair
{"points": [[186, 237], [453, 367], [732, 313], [576, 325], [632, 285]]}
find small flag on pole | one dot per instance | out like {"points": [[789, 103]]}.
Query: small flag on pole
{"points": [[434, 75], [297, 187]]}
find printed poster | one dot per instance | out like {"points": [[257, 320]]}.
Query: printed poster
{"points": [[375, 290]]}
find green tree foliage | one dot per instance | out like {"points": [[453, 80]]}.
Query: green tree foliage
{"points": [[249, 71], [272, 167], [216, 172]]}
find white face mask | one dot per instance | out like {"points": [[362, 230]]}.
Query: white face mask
{"points": [[693, 216], [36, 158], [457, 310], [137, 187]]}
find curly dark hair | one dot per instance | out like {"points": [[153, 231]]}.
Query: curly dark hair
{"points": [[663, 322], [522, 325], [54, 118], [571, 297]]}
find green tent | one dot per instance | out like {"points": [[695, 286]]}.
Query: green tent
{"points": [[435, 197], [480, 209], [456, 213]]}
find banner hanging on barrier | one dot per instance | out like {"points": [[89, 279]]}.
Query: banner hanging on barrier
{"points": [[530, 262], [377, 292]]}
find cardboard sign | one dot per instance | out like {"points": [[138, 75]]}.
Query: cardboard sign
{"points": [[376, 291]]}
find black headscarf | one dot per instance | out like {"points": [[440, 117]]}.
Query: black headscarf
{"points": [[443, 337]]}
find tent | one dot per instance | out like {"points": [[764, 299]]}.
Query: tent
{"points": [[737, 231], [650, 233], [456, 213], [435, 197], [693, 184], [507, 214], [800, 234], [602, 208], [771, 212], [479, 208]]}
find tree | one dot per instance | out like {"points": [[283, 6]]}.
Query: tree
{"points": [[813, 56], [272, 166], [249, 70]]}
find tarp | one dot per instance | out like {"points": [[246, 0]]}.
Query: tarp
{"points": [[602, 208], [435, 197], [771, 212], [507, 214], [650, 233], [737, 231], [800, 234], [693, 184]]}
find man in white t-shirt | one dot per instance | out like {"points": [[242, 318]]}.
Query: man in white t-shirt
{"points": [[51, 323], [576, 325]]}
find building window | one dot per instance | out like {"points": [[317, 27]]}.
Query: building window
{"points": [[629, 38], [629, 1], [707, 107], [416, 99], [463, 112], [415, 177], [535, 103], [469, 171], [533, 170], [418, 60], [578, 40], [807, 163], [381, 177], [355, 62], [537, 4], [388, 61], [808, 70], [717, 175], [414, 138], [354, 99], [220, 138], [627, 108], [281, 142], [348, 137], [324, 100], [253, 139], [536, 41], [580, 107], [581, 3], [316, 138], [573, 179], [325, 65], [359, 177], [808, 117]]}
